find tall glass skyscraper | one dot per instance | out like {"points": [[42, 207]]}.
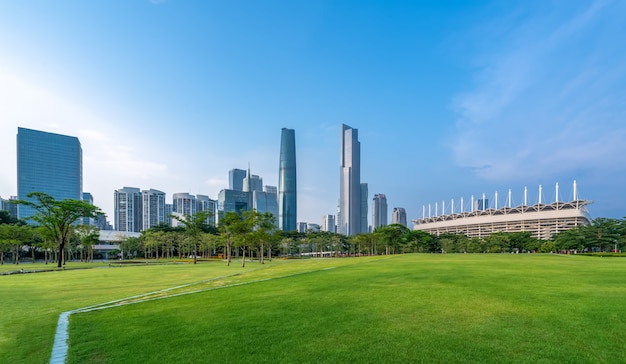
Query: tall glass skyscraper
{"points": [[379, 210], [350, 194], [287, 197], [49, 163]]}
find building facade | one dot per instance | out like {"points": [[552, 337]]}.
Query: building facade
{"points": [[350, 196], [266, 201], [128, 211], [49, 163], [541, 220], [153, 208], [208, 205], [379, 210], [328, 223], [235, 179], [87, 197], [184, 203], [287, 186], [398, 216]]}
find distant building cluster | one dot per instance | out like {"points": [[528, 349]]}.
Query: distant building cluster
{"points": [[52, 163]]}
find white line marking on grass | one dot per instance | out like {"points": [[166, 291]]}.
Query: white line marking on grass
{"points": [[60, 347]]}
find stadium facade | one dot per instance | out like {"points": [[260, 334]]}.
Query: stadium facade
{"points": [[541, 220]]}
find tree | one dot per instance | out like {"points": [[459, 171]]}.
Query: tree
{"points": [[13, 238], [194, 228], [392, 236], [264, 225], [6, 218], [229, 227], [58, 216], [88, 236]]}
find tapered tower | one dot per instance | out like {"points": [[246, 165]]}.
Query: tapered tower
{"points": [[287, 194], [350, 195]]}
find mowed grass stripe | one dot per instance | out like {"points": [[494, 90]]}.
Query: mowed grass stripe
{"points": [[415, 308]]}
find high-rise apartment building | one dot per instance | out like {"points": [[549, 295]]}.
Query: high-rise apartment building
{"points": [[49, 163], [328, 223], [235, 179], [352, 201], [208, 205], [398, 216], [379, 210], [153, 208], [287, 188], [184, 203], [128, 209]]}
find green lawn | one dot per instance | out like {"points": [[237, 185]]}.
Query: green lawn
{"points": [[409, 308]]}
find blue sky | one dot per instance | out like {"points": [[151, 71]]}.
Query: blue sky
{"points": [[451, 98]]}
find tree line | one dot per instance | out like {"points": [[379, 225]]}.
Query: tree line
{"points": [[254, 236]]}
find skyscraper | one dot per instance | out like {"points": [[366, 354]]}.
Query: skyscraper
{"points": [[128, 209], [49, 163], [235, 179], [398, 216], [287, 193], [350, 196], [364, 204], [87, 197], [379, 210], [153, 208], [266, 201], [328, 223], [252, 183], [208, 205], [184, 203]]}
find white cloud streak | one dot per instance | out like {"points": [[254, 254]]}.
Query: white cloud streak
{"points": [[548, 97]]}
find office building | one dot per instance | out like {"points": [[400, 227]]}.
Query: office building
{"points": [[301, 227], [87, 197], [398, 216], [128, 209], [481, 204], [153, 208], [287, 187], [235, 179], [231, 201], [350, 196], [379, 211], [328, 223], [8, 206], [311, 227], [266, 201], [253, 183], [364, 203], [49, 163]]}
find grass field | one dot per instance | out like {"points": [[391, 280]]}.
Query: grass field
{"points": [[408, 308]]}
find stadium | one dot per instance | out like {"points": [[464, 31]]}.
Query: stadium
{"points": [[541, 220]]}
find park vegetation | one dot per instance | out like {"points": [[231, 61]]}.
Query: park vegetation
{"points": [[254, 236]]}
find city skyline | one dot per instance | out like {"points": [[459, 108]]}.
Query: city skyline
{"points": [[450, 99]]}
